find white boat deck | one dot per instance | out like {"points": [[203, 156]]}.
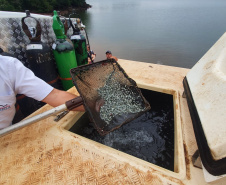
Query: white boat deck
{"points": [[46, 153]]}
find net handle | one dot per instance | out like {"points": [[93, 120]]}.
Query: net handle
{"points": [[76, 102], [71, 104]]}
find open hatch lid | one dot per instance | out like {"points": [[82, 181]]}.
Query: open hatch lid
{"points": [[205, 89]]}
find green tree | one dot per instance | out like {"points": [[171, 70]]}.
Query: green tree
{"points": [[10, 5], [62, 4], [76, 3], [41, 6]]}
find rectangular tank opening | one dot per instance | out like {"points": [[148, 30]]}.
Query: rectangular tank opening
{"points": [[149, 137]]}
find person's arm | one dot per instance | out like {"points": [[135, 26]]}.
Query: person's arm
{"points": [[25, 82], [89, 60], [57, 97]]}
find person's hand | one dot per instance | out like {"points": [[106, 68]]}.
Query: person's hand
{"points": [[58, 97], [89, 61], [93, 56]]}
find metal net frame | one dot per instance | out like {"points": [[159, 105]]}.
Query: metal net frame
{"points": [[109, 96]]}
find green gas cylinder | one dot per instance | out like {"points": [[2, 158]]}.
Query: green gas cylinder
{"points": [[64, 53], [79, 42]]}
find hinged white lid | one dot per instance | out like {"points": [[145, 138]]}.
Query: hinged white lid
{"points": [[207, 83]]}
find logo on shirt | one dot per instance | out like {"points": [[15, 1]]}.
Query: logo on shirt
{"points": [[4, 107]]}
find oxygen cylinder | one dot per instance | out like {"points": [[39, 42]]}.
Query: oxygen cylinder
{"points": [[63, 52], [79, 42], [39, 55]]}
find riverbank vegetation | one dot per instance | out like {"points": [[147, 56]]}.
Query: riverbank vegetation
{"points": [[42, 6]]}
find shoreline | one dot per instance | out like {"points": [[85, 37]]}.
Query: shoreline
{"points": [[67, 11]]}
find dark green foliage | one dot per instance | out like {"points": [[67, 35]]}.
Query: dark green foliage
{"points": [[10, 5], [40, 6]]}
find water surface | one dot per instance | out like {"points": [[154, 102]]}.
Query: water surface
{"points": [[169, 32]]}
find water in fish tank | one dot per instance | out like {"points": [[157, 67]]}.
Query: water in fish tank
{"points": [[150, 137]]}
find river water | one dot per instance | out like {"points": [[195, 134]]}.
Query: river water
{"points": [[169, 32]]}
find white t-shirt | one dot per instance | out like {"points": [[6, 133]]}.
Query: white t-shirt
{"points": [[15, 79]]}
